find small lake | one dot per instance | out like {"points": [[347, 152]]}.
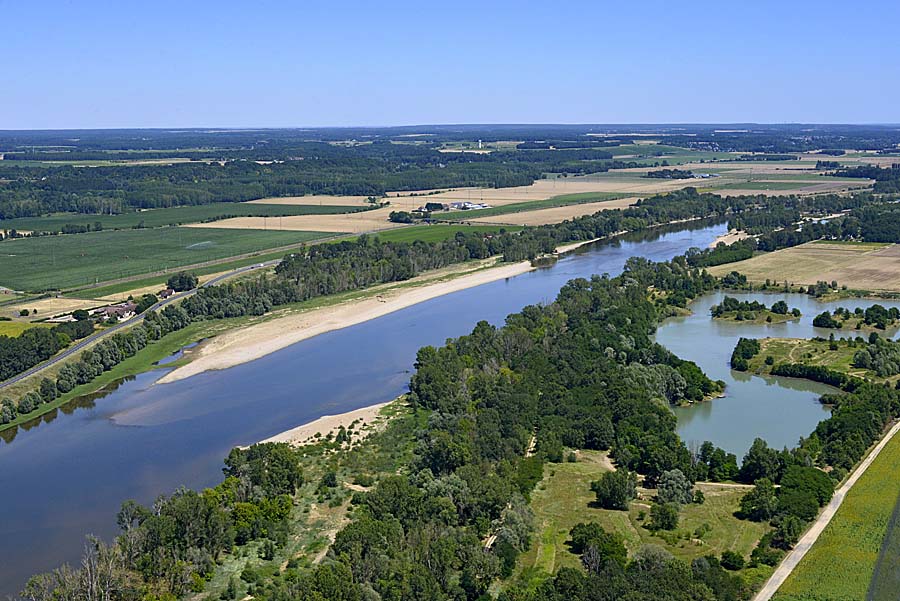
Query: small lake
{"points": [[777, 409], [66, 475]]}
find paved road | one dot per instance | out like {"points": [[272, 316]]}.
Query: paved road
{"points": [[84, 342], [807, 540]]}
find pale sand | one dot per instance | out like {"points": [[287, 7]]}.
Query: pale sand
{"points": [[253, 342], [730, 238], [330, 424], [557, 214]]}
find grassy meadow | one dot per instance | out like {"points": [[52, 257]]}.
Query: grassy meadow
{"points": [[564, 498]]}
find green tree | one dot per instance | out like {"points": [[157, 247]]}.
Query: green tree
{"points": [[615, 489], [761, 503]]}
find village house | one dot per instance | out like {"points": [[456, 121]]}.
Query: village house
{"points": [[119, 312]]}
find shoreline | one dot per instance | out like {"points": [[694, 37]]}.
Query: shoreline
{"points": [[364, 420], [243, 345]]}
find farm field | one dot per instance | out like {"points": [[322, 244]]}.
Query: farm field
{"points": [[532, 217], [51, 262], [859, 266], [14, 328], [840, 564], [436, 233], [46, 307], [563, 200], [173, 216], [564, 498]]}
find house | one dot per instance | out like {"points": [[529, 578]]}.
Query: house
{"points": [[119, 312], [164, 294]]}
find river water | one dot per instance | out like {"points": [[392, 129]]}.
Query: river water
{"points": [[66, 475]]}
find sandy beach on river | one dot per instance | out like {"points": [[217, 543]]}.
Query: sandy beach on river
{"points": [[253, 342], [363, 420]]}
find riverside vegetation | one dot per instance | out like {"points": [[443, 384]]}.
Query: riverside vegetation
{"points": [[580, 373]]}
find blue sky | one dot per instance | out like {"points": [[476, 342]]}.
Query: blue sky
{"points": [[85, 63]]}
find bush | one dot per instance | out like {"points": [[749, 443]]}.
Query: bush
{"points": [[732, 561], [663, 516], [615, 489]]}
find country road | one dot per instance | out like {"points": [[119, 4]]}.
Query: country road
{"points": [[85, 342], [806, 542]]}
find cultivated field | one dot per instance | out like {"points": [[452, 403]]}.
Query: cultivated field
{"points": [[174, 215], [556, 214], [840, 564], [81, 259], [564, 498], [356, 223], [14, 328], [859, 266], [47, 307]]}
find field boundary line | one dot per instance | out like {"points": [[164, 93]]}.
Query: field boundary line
{"points": [[792, 559]]}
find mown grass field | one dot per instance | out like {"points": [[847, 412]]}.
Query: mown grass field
{"points": [[533, 205], [14, 328], [173, 216], [839, 566], [564, 498], [80, 259]]}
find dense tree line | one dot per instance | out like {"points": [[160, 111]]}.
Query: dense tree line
{"points": [[307, 168], [670, 174], [881, 355], [887, 179], [102, 357], [34, 345]]}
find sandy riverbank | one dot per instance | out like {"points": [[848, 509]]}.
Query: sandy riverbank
{"points": [[363, 421], [730, 238], [247, 344]]}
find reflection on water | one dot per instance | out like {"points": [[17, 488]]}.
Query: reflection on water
{"points": [[68, 477], [781, 410]]}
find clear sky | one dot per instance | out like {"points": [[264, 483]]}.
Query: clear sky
{"points": [[160, 63]]}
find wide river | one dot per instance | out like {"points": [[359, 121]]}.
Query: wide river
{"points": [[65, 477]]}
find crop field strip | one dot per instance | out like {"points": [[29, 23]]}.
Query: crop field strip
{"points": [[871, 266], [841, 564], [83, 259], [173, 216], [886, 579]]}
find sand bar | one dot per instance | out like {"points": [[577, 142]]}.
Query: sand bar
{"points": [[329, 424], [253, 342]]}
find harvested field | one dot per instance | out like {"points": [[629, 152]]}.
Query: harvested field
{"points": [[355, 223], [320, 200], [556, 214], [858, 266], [49, 307]]}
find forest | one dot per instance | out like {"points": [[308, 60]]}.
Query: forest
{"points": [[325, 269], [561, 372], [581, 372], [305, 168]]}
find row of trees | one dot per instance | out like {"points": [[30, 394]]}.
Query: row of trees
{"points": [[19, 353], [308, 168]]}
